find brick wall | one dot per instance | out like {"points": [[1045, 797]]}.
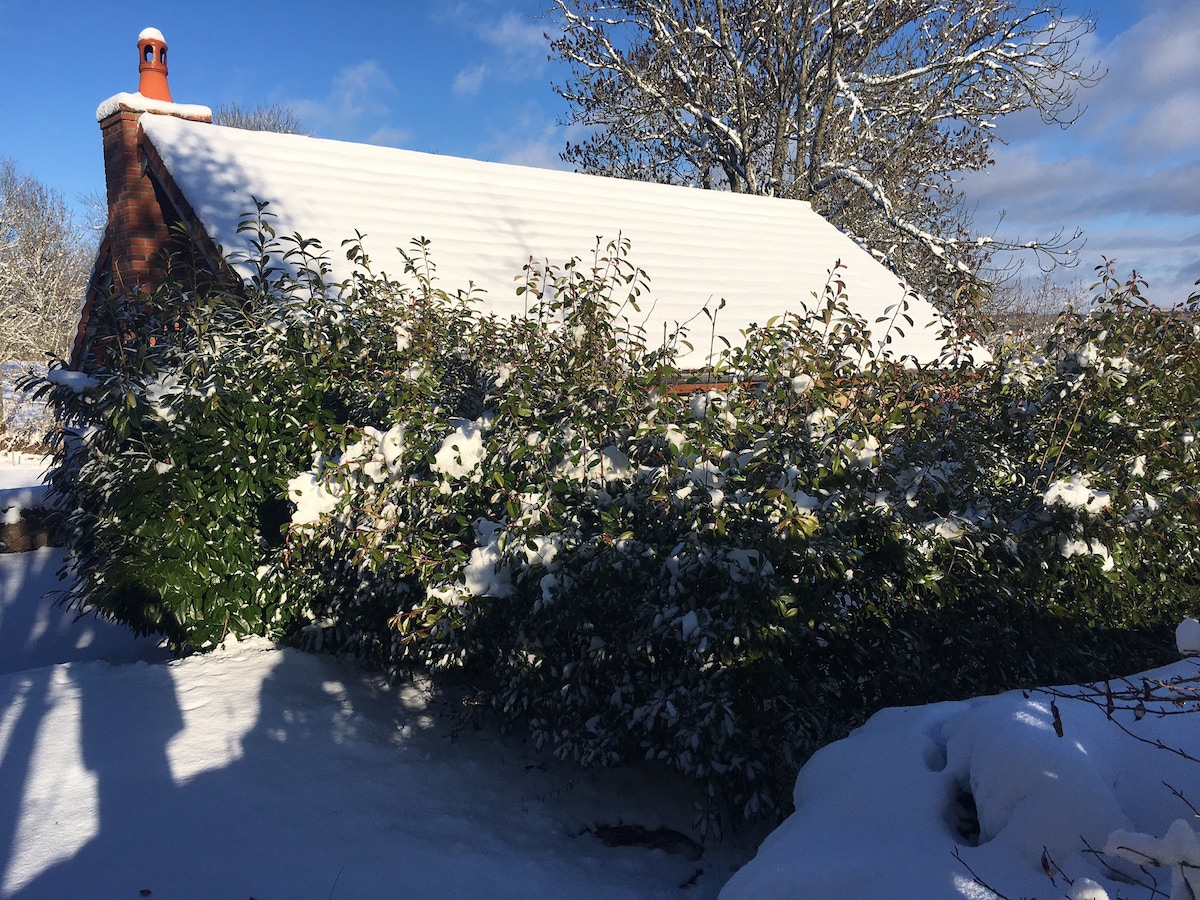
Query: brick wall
{"points": [[137, 223]]}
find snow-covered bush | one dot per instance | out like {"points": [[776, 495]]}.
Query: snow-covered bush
{"points": [[717, 577], [177, 444], [723, 582]]}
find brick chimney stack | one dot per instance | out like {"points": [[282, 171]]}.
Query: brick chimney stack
{"points": [[138, 220]]}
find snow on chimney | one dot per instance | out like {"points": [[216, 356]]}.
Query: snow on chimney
{"points": [[138, 219]]}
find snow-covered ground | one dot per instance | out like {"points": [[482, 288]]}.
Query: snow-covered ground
{"points": [[267, 773], [885, 813], [20, 484]]}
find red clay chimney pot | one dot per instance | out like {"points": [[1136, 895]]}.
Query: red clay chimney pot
{"points": [[152, 65]]}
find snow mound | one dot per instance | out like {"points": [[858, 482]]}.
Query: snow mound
{"points": [[1187, 637], [936, 801]]}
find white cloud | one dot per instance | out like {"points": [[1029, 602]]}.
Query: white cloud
{"points": [[1171, 124], [1163, 47], [389, 137], [468, 81], [1028, 186], [539, 151], [1128, 172], [358, 92], [1149, 99], [532, 139], [516, 35], [514, 46]]}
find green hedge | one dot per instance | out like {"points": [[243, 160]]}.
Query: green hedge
{"points": [[719, 581]]}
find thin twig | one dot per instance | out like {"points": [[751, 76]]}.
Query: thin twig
{"points": [[977, 880], [1151, 886], [1186, 802], [335, 882]]}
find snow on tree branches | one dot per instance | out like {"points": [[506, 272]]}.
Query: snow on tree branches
{"points": [[865, 108]]}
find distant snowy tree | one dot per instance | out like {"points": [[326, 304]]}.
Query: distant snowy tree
{"points": [[45, 257], [263, 117], [866, 108]]}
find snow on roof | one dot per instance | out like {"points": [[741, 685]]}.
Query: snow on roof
{"points": [[141, 103], [151, 34], [485, 220]]}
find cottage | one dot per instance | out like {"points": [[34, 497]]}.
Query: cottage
{"points": [[166, 163]]}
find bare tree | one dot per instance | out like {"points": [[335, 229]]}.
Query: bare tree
{"points": [[45, 258], [263, 117], [866, 108], [1023, 311], [95, 211], [1043, 297]]}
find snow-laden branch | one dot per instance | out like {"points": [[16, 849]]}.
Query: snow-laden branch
{"points": [[868, 109]]}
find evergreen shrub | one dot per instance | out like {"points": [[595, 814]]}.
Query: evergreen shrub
{"points": [[718, 579]]}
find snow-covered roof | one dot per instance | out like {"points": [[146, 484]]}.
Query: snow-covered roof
{"points": [[763, 256]]}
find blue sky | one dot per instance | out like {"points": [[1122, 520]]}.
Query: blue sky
{"points": [[470, 78]]}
